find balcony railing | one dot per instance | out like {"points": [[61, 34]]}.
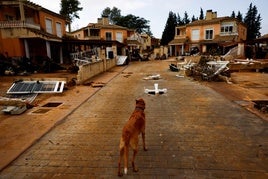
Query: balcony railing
{"points": [[92, 37], [18, 24], [180, 36], [228, 33]]}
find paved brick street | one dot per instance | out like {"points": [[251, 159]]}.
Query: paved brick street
{"points": [[191, 132]]}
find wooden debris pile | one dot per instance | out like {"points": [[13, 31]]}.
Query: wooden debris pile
{"points": [[209, 69]]}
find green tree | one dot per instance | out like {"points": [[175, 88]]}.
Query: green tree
{"points": [[194, 19], [179, 21], [201, 16], [186, 19], [134, 22], [69, 9], [169, 31], [239, 16], [113, 14], [253, 22], [233, 14], [130, 21]]}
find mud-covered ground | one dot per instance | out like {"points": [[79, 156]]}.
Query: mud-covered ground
{"points": [[245, 87]]}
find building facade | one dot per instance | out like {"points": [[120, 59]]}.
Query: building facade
{"points": [[213, 35], [103, 35], [31, 31]]}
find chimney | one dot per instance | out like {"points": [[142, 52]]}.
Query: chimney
{"points": [[104, 20], [211, 15]]}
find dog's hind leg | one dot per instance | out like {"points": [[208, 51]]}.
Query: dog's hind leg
{"points": [[126, 150], [119, 162], [121, 156]]}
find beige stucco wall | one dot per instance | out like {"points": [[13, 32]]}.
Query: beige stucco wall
{"points": [[90, 70]]}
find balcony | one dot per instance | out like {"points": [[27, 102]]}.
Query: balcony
{"points": [[18, 24], [92, 37]]}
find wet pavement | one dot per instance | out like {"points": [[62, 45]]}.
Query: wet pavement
{"points": [[191, 131]]}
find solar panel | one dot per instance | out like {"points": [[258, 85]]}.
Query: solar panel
{"points": [[26, 87]]}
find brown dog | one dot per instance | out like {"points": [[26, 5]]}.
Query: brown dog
{"points": [[134, 126]]}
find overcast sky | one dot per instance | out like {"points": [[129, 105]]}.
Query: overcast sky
{"points": [[156, 11]]}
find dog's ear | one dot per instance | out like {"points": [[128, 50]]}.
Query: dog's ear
{"points": [[138, 100]]}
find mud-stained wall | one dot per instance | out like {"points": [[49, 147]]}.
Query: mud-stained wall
{"points": [[92, 69]]}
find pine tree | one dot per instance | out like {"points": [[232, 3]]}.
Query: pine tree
{"points": [[69, 9], [253, 22], [239, 16], [201, 17], [169, 31], [179, 21], [186, 19], [194, 19], [113, 14], [233, 14]]}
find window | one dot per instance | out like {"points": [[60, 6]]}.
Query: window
{"points": [[94, 32], [108, 36], [119, 37], [49, 26], [195, 34], [209, 34], [58, 29], [226, 29], [177, 31]]}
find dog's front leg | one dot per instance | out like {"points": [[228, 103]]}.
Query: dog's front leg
{"points": [[143, 141]]}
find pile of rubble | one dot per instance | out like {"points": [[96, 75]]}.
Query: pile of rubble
{"points": [[214, 68], [209, 69], [25, 66]]}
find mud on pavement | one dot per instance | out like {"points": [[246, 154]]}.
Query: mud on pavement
{"points": [[191, 132]]}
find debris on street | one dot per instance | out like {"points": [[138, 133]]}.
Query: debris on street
{"points": [[153, 77], [261, 105], [23, 66], [173, 67], [156, 90], [248, 64], [122, 60], [15, 105], [208, 69], [26, 87], [97, 84], [21, 94]]}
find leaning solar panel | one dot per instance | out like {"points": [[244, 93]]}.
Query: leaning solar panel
{"points": [[25, 87], [21, 88]]}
